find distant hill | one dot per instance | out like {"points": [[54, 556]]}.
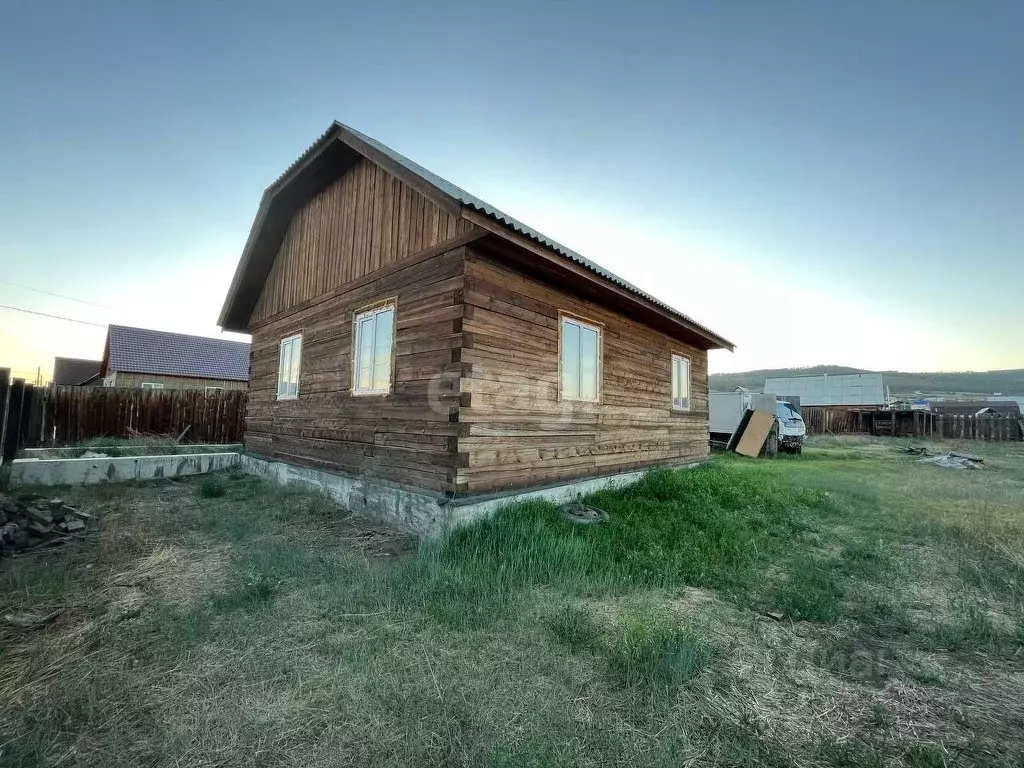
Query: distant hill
{"points": [[966, 382]]}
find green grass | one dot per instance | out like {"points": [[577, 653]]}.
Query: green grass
{"points": [[221, 621], [810, 591], [211, 487], [711, 527], [574, 627], [649, 648]]}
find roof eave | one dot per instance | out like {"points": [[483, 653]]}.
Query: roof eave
{"points": [[140, 372], [502, 229]]}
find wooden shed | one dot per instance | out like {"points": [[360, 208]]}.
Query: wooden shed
{"points": [[407, 332]]}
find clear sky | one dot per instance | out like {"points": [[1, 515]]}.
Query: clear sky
{"points": [[819, 182]]}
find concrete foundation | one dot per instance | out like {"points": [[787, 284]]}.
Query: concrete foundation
{"points": [[422, 512], [115, 470]]}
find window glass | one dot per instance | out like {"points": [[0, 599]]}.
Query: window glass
{"points": [[293, 369], [364, 352], [375, 331], [570, 360], [288, 367], [382, 349], [581, 360], [680, 383], [588, 364]]}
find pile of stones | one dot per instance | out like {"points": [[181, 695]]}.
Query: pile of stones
{"points": [[30, 521]]}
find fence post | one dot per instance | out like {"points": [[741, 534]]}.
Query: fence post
{"points": [[13, 430], [27, 400], [5, 389], [34, 418]]}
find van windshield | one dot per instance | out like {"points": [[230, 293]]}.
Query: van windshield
{"points": [[787, 411]]}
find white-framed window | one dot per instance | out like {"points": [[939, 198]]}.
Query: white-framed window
{"points": [[288, 366], [208, 390], [680, 383], [372, 350], [581, 360], [151, 385]]}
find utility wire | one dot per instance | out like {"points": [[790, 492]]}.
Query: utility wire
{"points": [[54, 317], [59, 295]]}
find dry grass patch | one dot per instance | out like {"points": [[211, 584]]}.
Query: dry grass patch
{"points": [[168, 573], [258, 626]]}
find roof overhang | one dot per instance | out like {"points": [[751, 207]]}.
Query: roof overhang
{"points": [[610, 292]]}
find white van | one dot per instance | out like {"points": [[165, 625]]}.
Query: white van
{"points": [[792, 429], [727, 408]]}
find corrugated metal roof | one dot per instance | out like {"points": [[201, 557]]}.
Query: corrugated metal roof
{"points": [[515, 225], [841, 389], [141, 350], [474, 202], [451, 191]]}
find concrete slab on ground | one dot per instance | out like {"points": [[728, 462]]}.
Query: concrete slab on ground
{"points": [[35, 453], [115, 470]]}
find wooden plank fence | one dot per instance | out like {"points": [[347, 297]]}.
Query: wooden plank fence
{"points": [[833, 421], [74, 414], [911, 423], [20, 413], [31, 416]]}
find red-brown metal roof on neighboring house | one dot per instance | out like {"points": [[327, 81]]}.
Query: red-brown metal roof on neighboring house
{"points": [[141, 350]]}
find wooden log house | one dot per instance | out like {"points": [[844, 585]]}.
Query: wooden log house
{"points": [[405, 331]]}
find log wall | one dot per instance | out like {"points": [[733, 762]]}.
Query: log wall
{"points": [[516, 430], [408, 436]]}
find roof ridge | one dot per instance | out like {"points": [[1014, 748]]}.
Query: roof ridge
{"points": [[178, 333]]}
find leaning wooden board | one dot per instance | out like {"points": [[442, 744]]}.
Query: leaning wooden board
{"points": [[755, 434]]}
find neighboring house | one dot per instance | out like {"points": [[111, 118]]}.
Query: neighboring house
{"points": [[139, 357], [997, 399], [75, 372], [975, 407], [854, 389], [406, 331]]}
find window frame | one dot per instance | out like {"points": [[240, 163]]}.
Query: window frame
{"points": [[689, 382], [207, 390], [151, 385], [592, 325], [376, 308], [280, 358]]}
